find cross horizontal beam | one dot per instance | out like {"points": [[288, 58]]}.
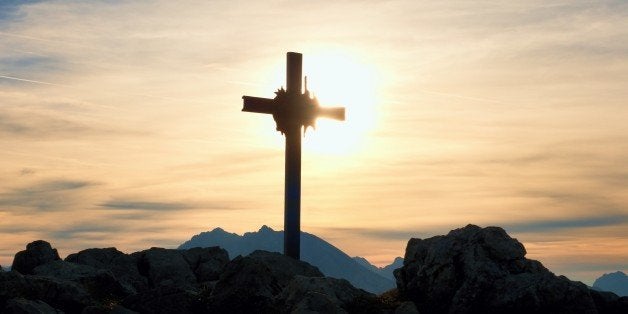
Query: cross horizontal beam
{"points": [[258, 104], [269, 106]]}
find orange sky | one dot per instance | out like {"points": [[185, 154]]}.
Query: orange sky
{"points": [[120, 123]]}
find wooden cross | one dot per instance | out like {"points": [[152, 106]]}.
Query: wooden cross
{"points": [[292, 110]]}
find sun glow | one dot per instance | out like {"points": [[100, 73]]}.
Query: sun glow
{"points": [[338, 79]]}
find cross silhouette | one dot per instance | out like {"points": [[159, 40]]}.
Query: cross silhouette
{"points": [[292, 111]]}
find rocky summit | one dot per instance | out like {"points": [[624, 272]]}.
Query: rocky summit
{"points": [[483, 270], [470, 270]]}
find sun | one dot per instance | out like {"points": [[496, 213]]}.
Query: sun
{"points": [[339, 78]]}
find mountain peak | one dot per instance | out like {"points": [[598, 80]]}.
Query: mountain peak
{"points": [[616, 282], [265, 228]]}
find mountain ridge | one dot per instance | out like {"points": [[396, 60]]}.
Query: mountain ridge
{"points": [[332, 261], [616, 282]]}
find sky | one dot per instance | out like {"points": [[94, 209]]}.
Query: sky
{"points": [[121, 123]]}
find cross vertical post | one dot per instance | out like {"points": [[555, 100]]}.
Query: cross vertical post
{"points": [[292, 192], [292, 110]]}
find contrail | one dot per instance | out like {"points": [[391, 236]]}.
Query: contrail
{"points": [[31, 81]]}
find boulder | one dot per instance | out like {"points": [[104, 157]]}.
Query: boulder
{"points": [[251, 284], [325, 295], [37, 253], [107, 309], [60, 294], [123, 266], [167, 299], [21, 306], [100, 283], [609, 303], [406, 307], [206, 263], [165, 267], [483, 270]]}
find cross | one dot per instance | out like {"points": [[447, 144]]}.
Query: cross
{"points": [[292, 111]]}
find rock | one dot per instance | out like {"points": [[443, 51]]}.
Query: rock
{"points": [[101, 309], [100, 283], [24, 306], [251, 284], [165, 267], [123, 266], [609, 303], [64, 295], [285, 268], [324, 295], [37, 253], [475, 270], [406, 308], [206, 263], [167, 299]]}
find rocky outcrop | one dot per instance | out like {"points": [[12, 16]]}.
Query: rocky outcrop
{"points": [[197, 280], [483, 270], [206, 263], [21, 305], [59, 294], [325, 295], [254, 283], [36, 253], [165, 267], [470, 270], [123, 266]]}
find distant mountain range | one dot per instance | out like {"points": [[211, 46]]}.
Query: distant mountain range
{"points": [[386, 272], [330, 260], [616, 282]]}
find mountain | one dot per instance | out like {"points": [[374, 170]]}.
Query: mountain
{"points": [[386, 271], [616, 282], [330, 260]]}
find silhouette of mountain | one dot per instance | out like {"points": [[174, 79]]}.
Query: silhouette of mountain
{"points": [[386, 271], [330, 260], [616, 282]]}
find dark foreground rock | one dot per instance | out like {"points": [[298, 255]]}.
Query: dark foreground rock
{"points": [[197, 280], [470, 270], [268, 282], [483, 270], [36, 253], [123, 266]]}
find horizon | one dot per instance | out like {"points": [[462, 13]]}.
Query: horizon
{"points": [[121, 124]]}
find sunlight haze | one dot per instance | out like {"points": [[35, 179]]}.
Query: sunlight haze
{"points": [[121, 124]]}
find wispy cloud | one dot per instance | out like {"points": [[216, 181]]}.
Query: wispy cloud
{"points": [[145, 205], [10, 9], [558, 225], [34, 125], [44, 196]]}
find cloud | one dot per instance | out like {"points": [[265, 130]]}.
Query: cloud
{"points": [[10, 9], [556, 225], [385, 234], [540, 226], [86, 230], [145, 205], [46, 124], [44, 196], [28, 65], [129, 206], [27, 172]]}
